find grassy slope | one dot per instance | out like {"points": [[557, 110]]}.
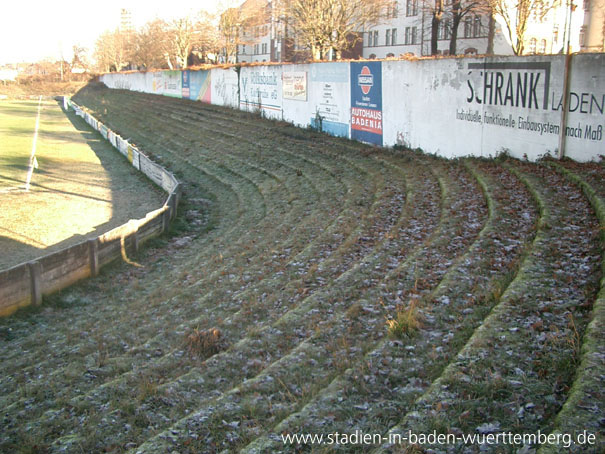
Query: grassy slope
{"points": [[267, 312]]}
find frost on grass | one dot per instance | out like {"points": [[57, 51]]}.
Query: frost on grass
{"points": [[267, 309]]}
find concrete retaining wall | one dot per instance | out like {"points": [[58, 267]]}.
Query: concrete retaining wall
{"points": [[452, 107], [28, 283]]}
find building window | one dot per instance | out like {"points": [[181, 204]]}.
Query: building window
{"points": [[264, 48], [542, 48], [410, 35], [583, 35], [370, 40], [539, 13], [391, 37], [468, 27], [477, 27], [392, 10], [446, 29], [243, 48], [532, 45], [555, 34], [376, 37], [411, 8]]}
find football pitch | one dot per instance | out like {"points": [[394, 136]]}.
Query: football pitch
{"points": [[80, 186], [17, 129]]}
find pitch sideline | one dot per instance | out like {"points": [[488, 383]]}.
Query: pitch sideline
{"points": [[32, 158]]}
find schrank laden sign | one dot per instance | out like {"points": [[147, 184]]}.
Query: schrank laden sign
{"points": [[366, 102]]}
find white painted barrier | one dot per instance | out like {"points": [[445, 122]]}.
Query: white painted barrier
{"points": [[452, 107]]}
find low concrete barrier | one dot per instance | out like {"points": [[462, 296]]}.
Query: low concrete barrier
{"points": [[28, 283]]}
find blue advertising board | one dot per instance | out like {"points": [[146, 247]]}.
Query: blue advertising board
{"points": [[366, 102], [196, 85], [185, 84]]}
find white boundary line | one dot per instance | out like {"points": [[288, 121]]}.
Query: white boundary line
{"points": [[32, 157]]}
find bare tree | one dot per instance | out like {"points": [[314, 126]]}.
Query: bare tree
{"points": [[151, 45], [230, 31], [113, 50], [436, 13], [516, 14], [79, 59], [209, 44], [182, 35], [240, 25], [459, 10], [491, 32], [330, 27]]}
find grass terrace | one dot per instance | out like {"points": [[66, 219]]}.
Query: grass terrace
{"points": [[317, 285]]}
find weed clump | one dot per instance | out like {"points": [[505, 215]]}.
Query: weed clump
{"points": [[405, 324], [205, 343]]}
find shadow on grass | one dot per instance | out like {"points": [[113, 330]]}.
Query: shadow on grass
{"points": [[111, 180]]}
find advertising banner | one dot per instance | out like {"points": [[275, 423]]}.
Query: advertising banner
{"points": [[330, 94], [135, 159], [295, 85], [122, 146], [366, 102], [185, 84], [103, 131], [261, 91], [167, 83], [224, 87], [199, 86]]}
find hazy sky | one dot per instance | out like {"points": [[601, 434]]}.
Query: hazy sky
{"points": [[33, 30]]}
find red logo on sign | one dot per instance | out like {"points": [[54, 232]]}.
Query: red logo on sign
{"points": [[365, 80]]}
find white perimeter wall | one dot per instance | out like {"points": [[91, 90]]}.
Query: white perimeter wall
{"points": [[452, 107], [224, 86]]}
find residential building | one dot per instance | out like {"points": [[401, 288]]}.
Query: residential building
{"points": [[592, 31], [406, 30], [256, 31], [549, 32]]}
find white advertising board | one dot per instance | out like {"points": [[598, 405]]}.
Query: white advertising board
{"points": [[224, 83], [261, 90]]}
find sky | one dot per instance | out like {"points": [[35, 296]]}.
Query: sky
{"points": [[35, 30]]}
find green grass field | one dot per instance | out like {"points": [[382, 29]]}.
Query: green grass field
{"points": [[314, 285], [17, 123], [81, 187]]}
